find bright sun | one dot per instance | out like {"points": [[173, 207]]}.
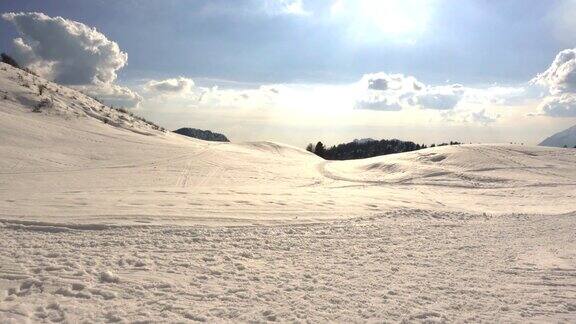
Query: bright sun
{"points": [[402, 20]]}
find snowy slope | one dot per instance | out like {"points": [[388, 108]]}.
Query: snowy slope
{"points": [[97, 208], [81, 162], [566, 138]]}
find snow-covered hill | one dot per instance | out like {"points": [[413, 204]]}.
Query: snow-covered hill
{"points": [[80, 161], [96, 208], [565, 138]]}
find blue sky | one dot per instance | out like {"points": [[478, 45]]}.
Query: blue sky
{"points": [[478, 42], [310, 48]]}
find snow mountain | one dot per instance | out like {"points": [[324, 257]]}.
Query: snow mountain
{"points": [[565, 138]]}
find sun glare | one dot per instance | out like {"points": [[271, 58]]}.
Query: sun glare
{"points": [[403, 20]]}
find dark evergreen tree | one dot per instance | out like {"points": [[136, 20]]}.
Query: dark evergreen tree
{"points": [[320, 149]]}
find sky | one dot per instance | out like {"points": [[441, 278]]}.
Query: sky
{"points": [[299, 71]]}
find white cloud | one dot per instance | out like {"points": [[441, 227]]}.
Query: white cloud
{"points": [[481, 117], [560, 77], [378, 84], [184, 92], [392, 92], [438, 97], [174, 85], [266, 96], [404, 96], [560, 81], [396, 82], [503, 95], [379, 103], [71, 53], [453, 103], [77, 53], [112, 94], [469, 116], [563, 105]]}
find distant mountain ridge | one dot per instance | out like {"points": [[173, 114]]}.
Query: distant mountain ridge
{"points": [[566, 138], [205, 135]]}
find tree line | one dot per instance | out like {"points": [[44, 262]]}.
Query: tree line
{"points": [[365, 149]]}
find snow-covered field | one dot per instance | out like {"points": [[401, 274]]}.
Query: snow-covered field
{"points": [[104, 218]]}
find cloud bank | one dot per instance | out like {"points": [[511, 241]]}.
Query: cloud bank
{"points": [[71, 53], [183, 92], [112, 94], [560, 77], [560, 80], [393, 92], [76, 53], [563, 105]]}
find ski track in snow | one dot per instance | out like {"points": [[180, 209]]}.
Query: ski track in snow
{"points": [[412, 265]]}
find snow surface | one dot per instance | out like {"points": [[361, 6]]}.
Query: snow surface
{"points": [[104, 218], [566, 138]]}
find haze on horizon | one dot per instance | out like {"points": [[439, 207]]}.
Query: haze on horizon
{"points": [[297, 71]]}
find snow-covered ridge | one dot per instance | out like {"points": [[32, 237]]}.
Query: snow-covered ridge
{"points": [[46, 97]]}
